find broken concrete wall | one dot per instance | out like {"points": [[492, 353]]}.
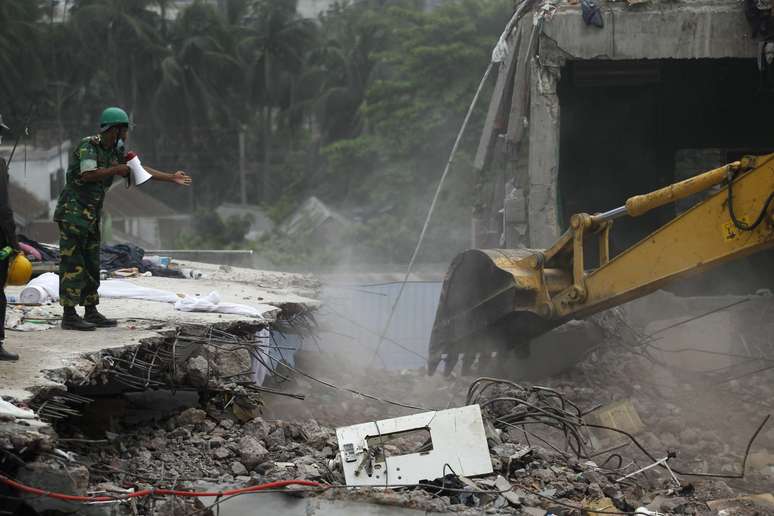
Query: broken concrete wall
{"points": [[698, 30], [543, 200]]}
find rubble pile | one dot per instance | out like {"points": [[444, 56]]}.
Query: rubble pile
{"points": [[549, 450], [194, 447], [537, 471], [539, 468], [707, 424]]}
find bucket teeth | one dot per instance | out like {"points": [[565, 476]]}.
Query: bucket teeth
{"points": [[468, 360], [450, 363], [432, 364], [485, 362]]}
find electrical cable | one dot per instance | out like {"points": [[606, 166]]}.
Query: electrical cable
{"points": [[350, 390], [269, 487], [686, 473], [155, 491]]}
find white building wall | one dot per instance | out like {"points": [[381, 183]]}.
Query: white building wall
{"points": [[32, 169]]}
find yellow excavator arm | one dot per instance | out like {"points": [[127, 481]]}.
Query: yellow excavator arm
{"points": [[497, 300]]}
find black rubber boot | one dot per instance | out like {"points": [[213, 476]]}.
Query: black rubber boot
{"points": [[72, 321], [97, 319], [7, 356]]}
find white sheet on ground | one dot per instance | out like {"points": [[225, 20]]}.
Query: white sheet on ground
{"points": [[211, 303], [122, 289]]}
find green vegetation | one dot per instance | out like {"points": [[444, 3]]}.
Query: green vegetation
{"points": [[359, 107]]}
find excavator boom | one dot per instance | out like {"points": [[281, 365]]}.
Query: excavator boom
{"points": [[495, 301]]}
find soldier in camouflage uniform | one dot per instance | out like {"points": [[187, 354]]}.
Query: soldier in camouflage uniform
{"points": [[94, 163], [7, 238]]}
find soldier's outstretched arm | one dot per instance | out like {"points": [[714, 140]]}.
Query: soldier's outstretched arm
{"points": [[179, 177]]}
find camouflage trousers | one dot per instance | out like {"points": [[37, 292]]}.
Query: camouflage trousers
{"points": [[79, 265]]}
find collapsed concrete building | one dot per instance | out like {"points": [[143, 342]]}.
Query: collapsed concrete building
{"points": [[582, 116]]}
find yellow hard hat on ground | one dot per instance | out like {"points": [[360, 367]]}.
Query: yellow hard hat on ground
{"points": [[19, 270]]}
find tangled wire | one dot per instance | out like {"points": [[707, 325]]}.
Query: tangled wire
{"points": [[510, 405]]}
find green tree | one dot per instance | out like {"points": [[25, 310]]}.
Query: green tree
{"points": [[343, 63], [273, 51], [22, 75], [121, 42], [196, 100], [427, 70]]}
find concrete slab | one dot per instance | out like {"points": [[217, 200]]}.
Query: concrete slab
{"points": [[56, 348], [695, 30]]}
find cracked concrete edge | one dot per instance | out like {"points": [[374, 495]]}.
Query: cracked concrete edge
{"points": [[654, 30]]}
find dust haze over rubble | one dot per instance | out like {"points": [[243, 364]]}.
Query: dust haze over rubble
{"points": [[167, 410], [707, 418]]}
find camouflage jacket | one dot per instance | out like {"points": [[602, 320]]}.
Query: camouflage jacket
{"points": [[7, 225], [80, 203]]}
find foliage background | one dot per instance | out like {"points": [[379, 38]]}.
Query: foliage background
{"points": [[359, 107]]}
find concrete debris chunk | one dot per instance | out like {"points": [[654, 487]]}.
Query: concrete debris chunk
{"points": [[252, 452], [198, 370], [238, 469], [52, 476], [506, 491], [191, 416]]}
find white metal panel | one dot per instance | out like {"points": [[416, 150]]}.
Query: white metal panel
{"points": [[458, 437]]}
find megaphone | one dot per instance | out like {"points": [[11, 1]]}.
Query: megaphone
{"points": [[137, 174]]}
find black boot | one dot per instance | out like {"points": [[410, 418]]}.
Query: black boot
{"points": [[7, 356], [72, 321], [97, 319]]}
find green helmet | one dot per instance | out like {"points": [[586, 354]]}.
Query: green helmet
{"points": [[113, 116]]}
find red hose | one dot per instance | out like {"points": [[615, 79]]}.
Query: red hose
{"points": [[158, 492]]}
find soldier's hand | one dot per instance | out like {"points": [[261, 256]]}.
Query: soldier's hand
{"points": [[121, 170], [182, 179]]}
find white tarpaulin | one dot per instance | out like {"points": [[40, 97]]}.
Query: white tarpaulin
{"points": [[122, 289], [211, 303]]}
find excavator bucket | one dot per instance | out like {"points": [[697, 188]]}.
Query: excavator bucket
{"points": [[489, 310], [495, 302]]}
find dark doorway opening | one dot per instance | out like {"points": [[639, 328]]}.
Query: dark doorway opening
{"points": [[630, 127]]}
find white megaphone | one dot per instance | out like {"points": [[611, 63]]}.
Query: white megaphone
{"points": [[137, 174]]}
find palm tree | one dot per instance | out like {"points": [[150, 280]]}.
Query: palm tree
{"points": [[123, 41], [273, 51], [21, 73], [198, 70], [196, 99], [343, 66]]}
